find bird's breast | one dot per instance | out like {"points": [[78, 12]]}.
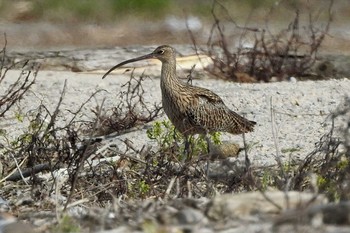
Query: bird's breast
{"points": [[176, 104]]}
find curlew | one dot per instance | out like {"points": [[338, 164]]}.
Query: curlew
{"points": [[192, 109]]}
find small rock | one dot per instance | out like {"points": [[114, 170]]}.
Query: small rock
{"points": [[245, 205], [224, 150], [190, 216], [325, 69], [9, 224], [293, 79], [122, 229], [4, 205]]}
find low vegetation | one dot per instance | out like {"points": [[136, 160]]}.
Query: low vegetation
{"points": [[107, 11]]}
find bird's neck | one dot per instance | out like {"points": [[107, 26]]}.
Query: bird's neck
{"points": [[168, 76]]}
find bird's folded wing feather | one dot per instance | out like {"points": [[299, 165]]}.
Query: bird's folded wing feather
{"points": [[207, 95], [205, 103]]}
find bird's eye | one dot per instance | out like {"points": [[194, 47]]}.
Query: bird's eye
{"points": [[161, 51]]}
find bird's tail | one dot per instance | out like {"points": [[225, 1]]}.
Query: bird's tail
{"points": [[241, 125]]}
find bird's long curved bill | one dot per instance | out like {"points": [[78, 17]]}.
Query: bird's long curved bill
{"points": [[148, 56]]}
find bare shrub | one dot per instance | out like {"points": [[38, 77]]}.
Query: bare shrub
{"points": [[130, 110], [110, 172], [46, 142], [20, 86], [330, 161], [291, 52], [69, 148], [46, 146], [325, 170]]}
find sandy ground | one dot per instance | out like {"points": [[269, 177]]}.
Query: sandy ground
{"points": [[300, 108]]}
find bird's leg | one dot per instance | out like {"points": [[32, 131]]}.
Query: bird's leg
{"points": [[175, 138], [208, 150], [187, 150]]}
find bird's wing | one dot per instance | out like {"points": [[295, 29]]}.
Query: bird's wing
{"points": [[208, 113], [207, 96], [205, 103]]}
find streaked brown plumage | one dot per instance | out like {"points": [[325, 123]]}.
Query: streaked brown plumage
{"points": [[192, 110]]}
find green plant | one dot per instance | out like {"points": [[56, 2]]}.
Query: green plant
{"points": [[277, 177], [164, 133], [66, 224], [138, 188], [329, 187], [289, 150], [266, 179], [168, 137], [143, 187]]}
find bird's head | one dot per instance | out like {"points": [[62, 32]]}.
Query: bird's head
{"points": [[164, 53]]}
